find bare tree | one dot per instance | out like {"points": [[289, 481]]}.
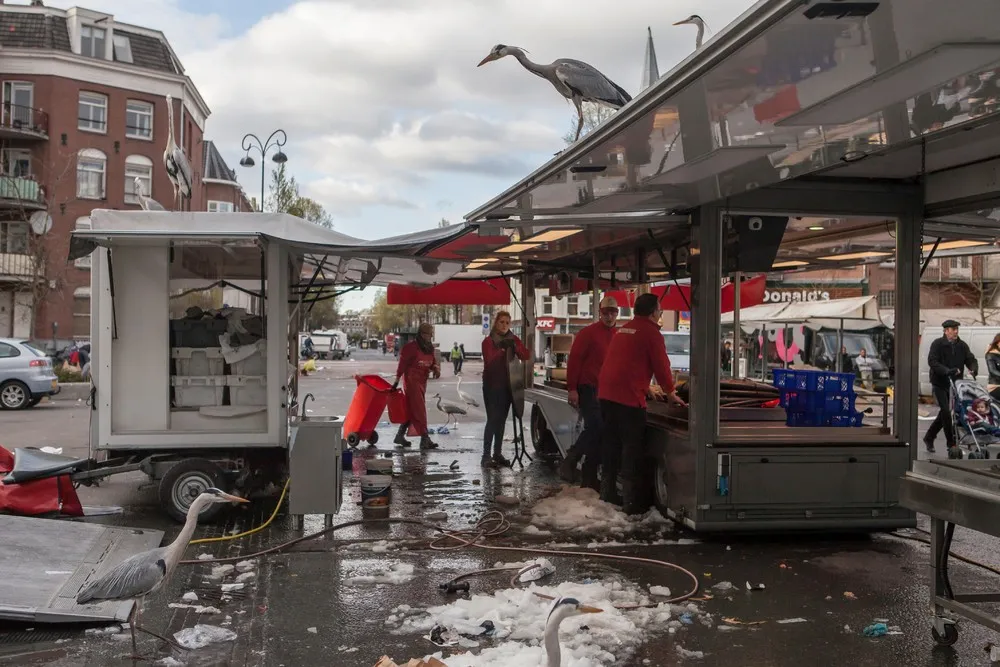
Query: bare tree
{"points": [[981, 292], [593, 115]]}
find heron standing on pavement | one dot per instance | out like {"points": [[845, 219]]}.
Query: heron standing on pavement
{"points": [[575, 80], [146, 572], [450, 409]]}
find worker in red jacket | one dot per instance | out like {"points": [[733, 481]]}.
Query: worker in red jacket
{"points": [[590, 347], [417, 361], [499, 349], [637, 352]]}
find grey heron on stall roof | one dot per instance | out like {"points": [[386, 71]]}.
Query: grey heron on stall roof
{"points": [[175, 161], [696, 20], [575, 80], [450, 409], [146, 203], [146, 572]]}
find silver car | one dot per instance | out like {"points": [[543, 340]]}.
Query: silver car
{"points": [[26, 375]]}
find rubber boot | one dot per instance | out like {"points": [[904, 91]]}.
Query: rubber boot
{"points": [[567, 468], [499, 460], [427, 443], [400, 439], [609, 490], [589, 478]]}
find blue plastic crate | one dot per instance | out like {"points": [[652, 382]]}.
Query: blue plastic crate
{"points": [[786, 399], [809, 401], [839, 405], [807, 419], [851, 419], [839, 384], [783, 379]]}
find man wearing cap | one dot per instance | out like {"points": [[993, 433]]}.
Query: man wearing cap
{"points": [[636, 353], [586, 357], [948, 357]]}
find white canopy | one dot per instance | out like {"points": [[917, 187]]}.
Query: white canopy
{"points": [[854, 314]]}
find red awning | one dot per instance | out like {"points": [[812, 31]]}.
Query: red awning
{"points": [[492, 292], [678, 297]]}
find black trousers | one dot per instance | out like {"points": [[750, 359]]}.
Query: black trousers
{"points": [[623, 436], [456, 365], [943, 420], [497, 401], [588, 444]]}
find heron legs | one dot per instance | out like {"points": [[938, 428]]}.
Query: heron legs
{"points": [[134, 624], [579, 117]]}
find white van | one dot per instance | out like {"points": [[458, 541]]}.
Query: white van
{"points": [[678, 350], [977, 338]]}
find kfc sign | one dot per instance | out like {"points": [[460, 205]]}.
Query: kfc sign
{"points": [[545, 323]]}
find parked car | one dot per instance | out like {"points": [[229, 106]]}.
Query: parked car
{"points": [[26, 375]]}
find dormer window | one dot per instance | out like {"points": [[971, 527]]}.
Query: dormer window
{"points": [[92, 41], [123, 48]]}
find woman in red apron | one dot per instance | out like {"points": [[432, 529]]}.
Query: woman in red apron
{"points": [[416, 361]]}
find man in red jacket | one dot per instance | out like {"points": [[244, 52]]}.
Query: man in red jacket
{"points": [[586, 357], [637, 352]]}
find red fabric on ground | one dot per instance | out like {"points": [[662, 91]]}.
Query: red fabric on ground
{"points": [[42, 496]]}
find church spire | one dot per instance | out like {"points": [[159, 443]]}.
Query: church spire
{"points": [[650, 71]]}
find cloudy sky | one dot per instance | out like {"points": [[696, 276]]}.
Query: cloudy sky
{"points": [[390, 124]]}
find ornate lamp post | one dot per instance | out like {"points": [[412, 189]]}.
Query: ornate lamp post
{"points": [[253, 141]]}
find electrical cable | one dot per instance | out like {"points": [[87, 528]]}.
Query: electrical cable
{"points": [[492, 524], [951, 554]]}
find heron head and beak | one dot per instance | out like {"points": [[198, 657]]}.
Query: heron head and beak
{"points": [[694, 19], [496, 53], [220, 496]]}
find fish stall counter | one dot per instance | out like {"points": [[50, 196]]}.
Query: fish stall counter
{"points": [[759, 474]]}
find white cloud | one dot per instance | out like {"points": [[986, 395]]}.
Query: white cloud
{"points": [[382, 100]]}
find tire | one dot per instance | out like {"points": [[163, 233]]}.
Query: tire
{"points": [[949, 637], [14, 395], [661, 490], [353, 439], [374, 438], [541, 438], [35, 401], [184, 482]]}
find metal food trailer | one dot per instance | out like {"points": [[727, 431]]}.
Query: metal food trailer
{"points": [[799, 138]]}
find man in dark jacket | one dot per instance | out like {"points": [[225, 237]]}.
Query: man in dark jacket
{"points": [[948, 357]]}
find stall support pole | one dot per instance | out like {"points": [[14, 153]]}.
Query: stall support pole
{"points": [[737, 355], [528, 328], [907, 324], [706, 327], [595, 298], [840, 347]]}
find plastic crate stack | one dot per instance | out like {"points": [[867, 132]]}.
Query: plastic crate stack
{"points": [[198, 380], [817, 398]]}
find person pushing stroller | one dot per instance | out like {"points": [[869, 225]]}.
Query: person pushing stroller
{"points": [[948, 357]]}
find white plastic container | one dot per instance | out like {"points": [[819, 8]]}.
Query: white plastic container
{"points": [[255, 364], [195, 391], [247, 389], [198, 361]]}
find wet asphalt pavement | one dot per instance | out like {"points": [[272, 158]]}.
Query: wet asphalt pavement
{"points": [[302, 607]]}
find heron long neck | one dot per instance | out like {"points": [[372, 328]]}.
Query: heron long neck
{"points": [[190, 523], [170, 122], [553, 652], [532, 67], [701, 35]]}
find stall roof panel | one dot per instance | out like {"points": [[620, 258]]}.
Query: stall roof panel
{"points": [[789, 89]]}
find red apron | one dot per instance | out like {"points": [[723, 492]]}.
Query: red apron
{"points": [[415, 366]]}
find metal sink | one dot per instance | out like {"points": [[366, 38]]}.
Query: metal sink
{"points": [[317, 418]]}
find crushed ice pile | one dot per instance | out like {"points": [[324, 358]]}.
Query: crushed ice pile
{"points": [[578, 510], [400, 573], [516, 620]]}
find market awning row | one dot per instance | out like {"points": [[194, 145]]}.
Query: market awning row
{"points": [[853, 313]]}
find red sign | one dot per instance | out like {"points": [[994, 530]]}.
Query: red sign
{"points": [[545, 323]]}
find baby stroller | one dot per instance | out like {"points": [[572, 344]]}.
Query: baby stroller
{"points": [[976, 419]]}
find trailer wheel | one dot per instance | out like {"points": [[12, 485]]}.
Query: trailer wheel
{"points": [[373, 438], [185, 481], [661, 495], [541, 437], [353, 439]]}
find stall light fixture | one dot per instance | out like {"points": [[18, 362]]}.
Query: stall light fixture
{"points": [[552, 235], [817, 228], [789, 264], [868, 254], [953, 245], [478, 265], [518, 247], [926, 71]]}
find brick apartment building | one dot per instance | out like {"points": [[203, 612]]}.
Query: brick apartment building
{"points": [[85, 114]]}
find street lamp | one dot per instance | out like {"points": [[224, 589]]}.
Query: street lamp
{"points": [[263, 147]]}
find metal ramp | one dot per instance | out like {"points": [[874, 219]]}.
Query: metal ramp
{"points": [[45, 562]]}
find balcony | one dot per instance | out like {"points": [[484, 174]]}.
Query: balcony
{"points": [[15, 267], [21, 193], [20, 122]]}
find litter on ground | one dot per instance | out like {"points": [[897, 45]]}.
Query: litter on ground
{"points": [[201, 636]]}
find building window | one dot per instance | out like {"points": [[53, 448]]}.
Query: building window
{"points": [[93, 113], [546, 305], [91, 167], [138, 167], [18, 99], [139, 120], [572, 306], [92, 41], [81, 313], [83, 222], [14, 238], [220, 206], [123, 48], [960, 263], [887, 299], [16, 163]]}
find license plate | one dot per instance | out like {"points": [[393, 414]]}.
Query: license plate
{"points": [[55, 383]]}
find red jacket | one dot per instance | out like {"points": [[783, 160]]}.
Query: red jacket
{"points": [[637, 352], [586, 357], [495, 360]]}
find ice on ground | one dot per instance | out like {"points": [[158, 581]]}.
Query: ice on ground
{"points": [[108, 630], [245, 576], [190, 596], [244, 566], [536, 569], [169, 661], [313, 630], [661, 591], [578, 510], [519, 617], [229, 588], [205, 556], [201, 636], [786, 621], [219, 571], [198, 609], [400, 573], [531, 529]]}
